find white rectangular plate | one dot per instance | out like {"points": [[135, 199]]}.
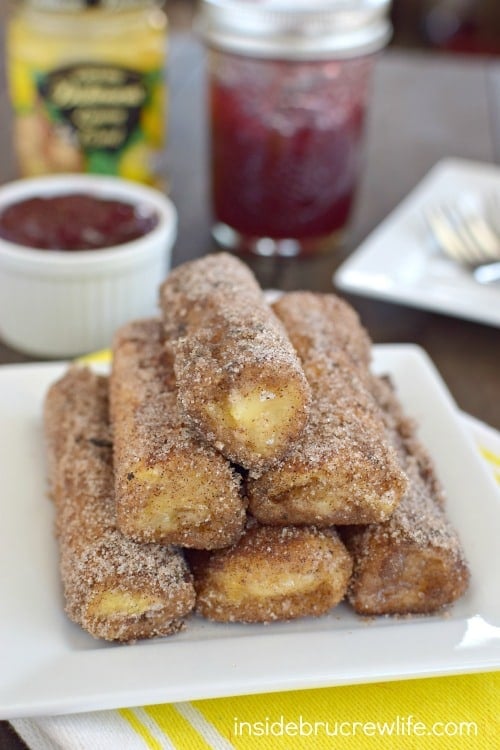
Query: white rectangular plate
{"points": [[399, 263], [49, 665]]}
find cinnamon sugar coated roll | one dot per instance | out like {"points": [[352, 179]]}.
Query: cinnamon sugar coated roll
{"points": [[114, 588], [272, 574], [239, 379], [342, 470], [412, 563], [170, 486], [318, 324]]}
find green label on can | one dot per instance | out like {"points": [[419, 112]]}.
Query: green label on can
{"points": [[101, 104], [91, 117]]}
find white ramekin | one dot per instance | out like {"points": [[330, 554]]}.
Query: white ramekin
{"points": [[61, 304]]}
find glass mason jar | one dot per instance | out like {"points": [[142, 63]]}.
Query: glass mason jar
{"points": [[288, 87], [87, 87]]}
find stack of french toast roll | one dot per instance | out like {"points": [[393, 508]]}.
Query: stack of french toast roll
{"points": [[243, 463]]}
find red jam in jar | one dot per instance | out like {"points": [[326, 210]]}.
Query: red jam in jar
{"points": [[75, 221], [288, 87], [286, 144]]}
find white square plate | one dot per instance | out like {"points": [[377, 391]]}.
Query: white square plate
{"points": [[399, 263], [49, 665]]}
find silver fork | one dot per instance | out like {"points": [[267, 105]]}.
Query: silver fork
{"points": [[467, 236]]}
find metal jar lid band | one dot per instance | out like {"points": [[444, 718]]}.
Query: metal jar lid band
{"points": [[296, 29]]}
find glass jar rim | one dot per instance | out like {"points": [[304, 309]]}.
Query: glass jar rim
{"points": [[296, 29]]}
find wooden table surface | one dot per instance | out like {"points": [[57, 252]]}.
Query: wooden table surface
{"points": [[425, 108]]}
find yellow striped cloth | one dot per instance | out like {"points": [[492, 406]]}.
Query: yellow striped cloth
{"points": [[447, 712]]}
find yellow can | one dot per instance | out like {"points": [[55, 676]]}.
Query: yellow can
{"points": [[87, 86]]}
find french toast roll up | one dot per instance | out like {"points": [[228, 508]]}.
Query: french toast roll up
{"points": [[240, 381], [170, 487], [272, 574], [318, 323], [412, 563], [114, 588], [342, 470]]}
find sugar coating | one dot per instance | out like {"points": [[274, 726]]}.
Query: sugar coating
{"points": [[272, 574], [320, 323], [414, 562], [342, 469], [170, 486], [228, 344], [95, 558]]}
